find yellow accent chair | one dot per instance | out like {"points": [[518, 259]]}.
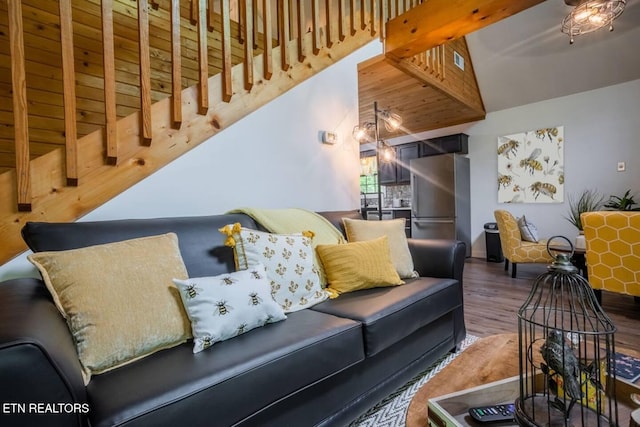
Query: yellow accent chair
{"points": [[613, 251], [516, 250]]}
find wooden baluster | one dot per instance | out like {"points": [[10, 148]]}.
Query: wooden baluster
{"points": [[248, 46], [342, 33], [352, 16], [283, 33], [393, 10], [203, 59], [315, 23], [227, 85], [267, 35], [176, 65], [363, 14], [444, 66], [20, 114], [372, 9], [109, 71], [384, 17], [329, 26], [302, 52], [145, 71], [69, 92]]}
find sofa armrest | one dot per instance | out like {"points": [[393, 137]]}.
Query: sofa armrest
{"points": [[438, 258], [38, 360]]}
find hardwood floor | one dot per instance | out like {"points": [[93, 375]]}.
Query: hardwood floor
{"points": [[492, 300]]}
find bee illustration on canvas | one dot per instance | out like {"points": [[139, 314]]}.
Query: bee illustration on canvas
{"points": [[303, 301], [299, 269], [544, 188], [256, 274], [508, 148], [254, 299], [227, 280], [504, 180], [222, 308], [547, 132], [530, 163], [192, 290]]}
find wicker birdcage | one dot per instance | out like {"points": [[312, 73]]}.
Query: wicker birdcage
{"points": [[567, 352]]}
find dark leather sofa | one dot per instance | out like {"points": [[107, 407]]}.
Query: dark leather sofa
{"points": [[322, 366]]}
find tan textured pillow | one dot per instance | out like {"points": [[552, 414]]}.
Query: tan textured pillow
{"points": [[360, 230], [119, 299], [360, 265]]}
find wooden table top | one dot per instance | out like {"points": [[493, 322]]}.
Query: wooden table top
{"points": [[489, 359]]}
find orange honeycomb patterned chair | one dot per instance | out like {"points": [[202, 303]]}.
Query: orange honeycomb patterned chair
{"points": [[516, 250], [613, 251]]}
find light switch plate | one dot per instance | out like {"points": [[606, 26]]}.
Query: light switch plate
{"points": [[329, 137]]}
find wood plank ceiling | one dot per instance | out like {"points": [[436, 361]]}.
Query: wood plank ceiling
{"points": [[417, 78]]}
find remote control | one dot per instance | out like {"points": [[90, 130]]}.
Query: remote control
{"points": [[493, 413]]}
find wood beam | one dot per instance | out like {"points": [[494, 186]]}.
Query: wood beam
{"points": [[436, 22]]}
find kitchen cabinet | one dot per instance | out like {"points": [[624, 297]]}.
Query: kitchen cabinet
{"points": [[387, 172], [458, 143], [404, 153], [406, 215]]}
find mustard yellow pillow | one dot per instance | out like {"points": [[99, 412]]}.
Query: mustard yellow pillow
{"points": [[361, 230], [119, 299], [359, 265]]}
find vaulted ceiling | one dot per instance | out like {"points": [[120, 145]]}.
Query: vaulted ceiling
{"points": [[526, 58]]}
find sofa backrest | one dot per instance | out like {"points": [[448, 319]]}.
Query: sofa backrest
{"points": [[201, 244]]}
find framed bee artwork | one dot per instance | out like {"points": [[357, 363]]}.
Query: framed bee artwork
{"points": [[531, 166]]}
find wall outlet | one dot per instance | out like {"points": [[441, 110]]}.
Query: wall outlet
{"points": [[621, 166]]}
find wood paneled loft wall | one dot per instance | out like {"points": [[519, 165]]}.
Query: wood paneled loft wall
{"points": [[95, 95]]}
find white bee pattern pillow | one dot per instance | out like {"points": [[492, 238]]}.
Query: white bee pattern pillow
{"points": [[289, 261], [225, 306]]}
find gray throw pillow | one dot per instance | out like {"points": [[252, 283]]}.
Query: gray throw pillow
{"points": [[528, 231]]}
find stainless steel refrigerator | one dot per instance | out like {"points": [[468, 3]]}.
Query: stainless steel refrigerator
{"points": [[440, 202]]}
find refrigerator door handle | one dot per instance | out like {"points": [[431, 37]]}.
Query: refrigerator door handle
{"points": [[433, 221]]}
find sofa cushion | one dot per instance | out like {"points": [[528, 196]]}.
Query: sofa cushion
{"points": [[225, 306], [289, 260], [118, 298], [358, 265], [390, 314], [244, 374], [394, 229]]}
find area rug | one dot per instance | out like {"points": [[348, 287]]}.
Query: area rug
{"points": [[392, 411]]}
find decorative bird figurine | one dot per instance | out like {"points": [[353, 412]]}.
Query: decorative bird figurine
{"points": [[561, 359]]}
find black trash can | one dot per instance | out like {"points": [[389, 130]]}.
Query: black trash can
{"points": [[492, 239]]}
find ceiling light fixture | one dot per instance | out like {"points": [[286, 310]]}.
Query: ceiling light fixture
{"points": [[591, 15]]}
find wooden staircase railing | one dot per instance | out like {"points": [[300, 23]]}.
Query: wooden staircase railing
{"points": [[87, 110]]}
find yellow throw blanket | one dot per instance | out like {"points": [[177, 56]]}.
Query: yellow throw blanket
{"points": [[295, 220]]}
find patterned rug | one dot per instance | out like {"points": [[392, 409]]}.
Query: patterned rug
{"points": [[392, 411]]}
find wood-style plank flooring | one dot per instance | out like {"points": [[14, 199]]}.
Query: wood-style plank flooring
{"points": [[492, 300]]}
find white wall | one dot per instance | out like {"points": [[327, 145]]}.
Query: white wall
{"points": [[273, 158], [601, 128]]}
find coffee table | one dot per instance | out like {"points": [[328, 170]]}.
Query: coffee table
{"points": [[487, 360]]}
